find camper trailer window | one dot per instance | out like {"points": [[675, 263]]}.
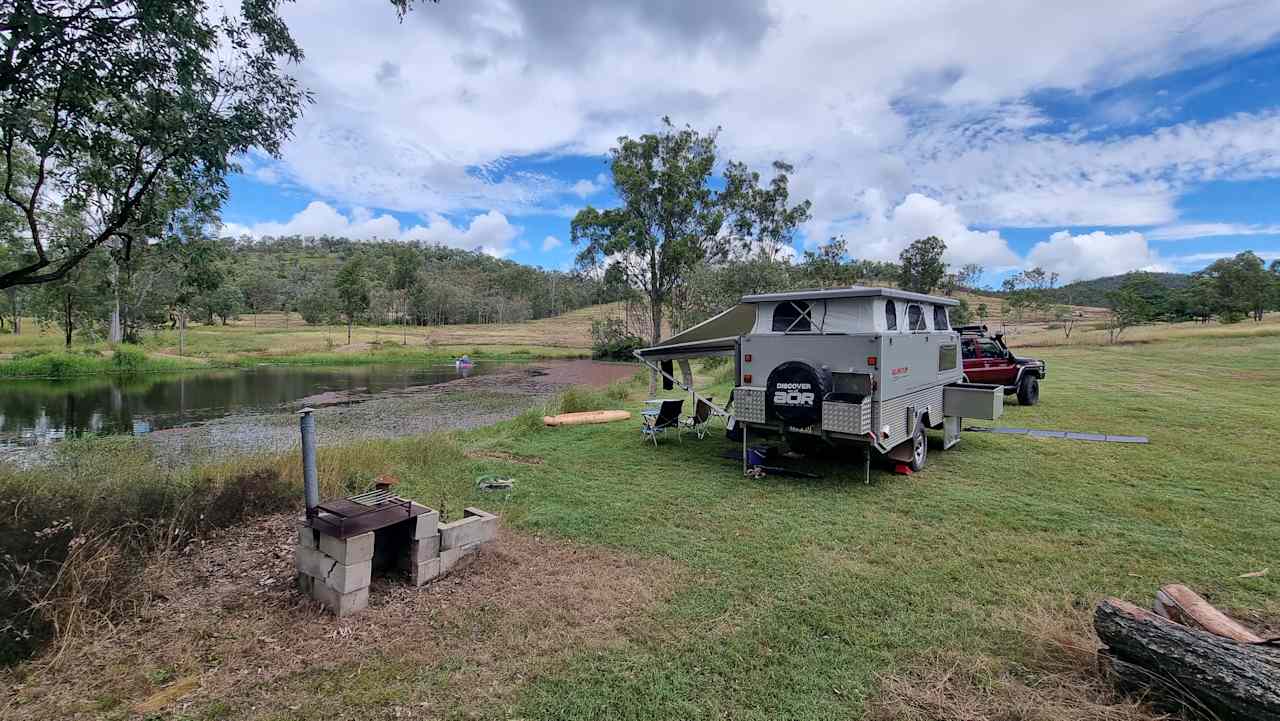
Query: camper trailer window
{"points": [[940, 318], [792, 317], [946, 357], [890, 315], [915, 318]]}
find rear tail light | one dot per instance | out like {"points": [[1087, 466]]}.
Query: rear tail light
{"points": [[871, 361], [746, 377]]}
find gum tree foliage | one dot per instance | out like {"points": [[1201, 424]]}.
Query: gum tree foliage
{"points": [[760, 217], [1242, 284], [670, 219], [671, 222], [922, 267], [828, 266], [353, 289], [110, 100], [1133, 303]]}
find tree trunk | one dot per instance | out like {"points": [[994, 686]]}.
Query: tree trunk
{"points": [[66, 309], [115, 334], [655, 315], [350, 321], [182, 333], [13, 305], [1188, 667]]}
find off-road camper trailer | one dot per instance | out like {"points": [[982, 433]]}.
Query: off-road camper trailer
{"points": [[869, 366]]}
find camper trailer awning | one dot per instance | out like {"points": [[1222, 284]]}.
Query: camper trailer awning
{"points": [[716, 336]]}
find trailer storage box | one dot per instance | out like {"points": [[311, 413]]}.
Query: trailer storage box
{"points": [[973, 400]]}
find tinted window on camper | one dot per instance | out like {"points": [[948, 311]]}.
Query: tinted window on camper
{"points": [[940, 318], [791, 316], [915, 318], [890, 315]]}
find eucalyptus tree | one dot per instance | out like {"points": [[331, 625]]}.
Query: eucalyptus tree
{"points": [[670, 218], [761, 216], [111, 100], [922, 265]]}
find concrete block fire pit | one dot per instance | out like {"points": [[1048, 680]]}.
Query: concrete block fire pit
{"points": [[343, 543], [336, 566]]}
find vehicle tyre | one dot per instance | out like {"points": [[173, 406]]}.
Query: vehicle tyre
{"points": [[919, 448], [1029, 391]]}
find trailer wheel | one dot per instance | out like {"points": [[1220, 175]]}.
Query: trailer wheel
{"points": [[919, 448], [1029, 391]]}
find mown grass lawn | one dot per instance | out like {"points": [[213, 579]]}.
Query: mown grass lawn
{"points": [[793, 596], [805, 590]]}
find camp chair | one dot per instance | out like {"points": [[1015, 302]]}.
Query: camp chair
{"points": [[701, 416], [662, 419]]}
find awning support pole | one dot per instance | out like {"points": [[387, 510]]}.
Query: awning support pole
{"points": [[717, 410]]}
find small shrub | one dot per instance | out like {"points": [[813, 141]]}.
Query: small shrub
{"points": [[611, 341], [128, 360], [578, 399], [618, 390], [712, 363]]}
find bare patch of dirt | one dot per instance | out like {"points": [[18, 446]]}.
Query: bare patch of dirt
{"points": [[505, 456], [228, 614]]}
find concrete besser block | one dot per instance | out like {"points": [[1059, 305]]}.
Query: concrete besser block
{"points": [[425, 525], [456, 558], [420, 573], [476, 526], [306, 534], [420, 551], [339, 577], [341, 604], [355, 549]]}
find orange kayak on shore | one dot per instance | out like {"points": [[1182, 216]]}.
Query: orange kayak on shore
{"points": [[574, 419]]}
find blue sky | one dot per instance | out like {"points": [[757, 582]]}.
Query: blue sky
{"points": [[1092, 139]]}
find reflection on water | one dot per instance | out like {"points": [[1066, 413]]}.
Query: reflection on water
{"points": [[38, 412]]}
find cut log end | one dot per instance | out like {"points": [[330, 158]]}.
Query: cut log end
{"points": [[1188, 667]]}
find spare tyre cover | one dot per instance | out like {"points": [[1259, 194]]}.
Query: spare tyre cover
{"points": [[795, 391]]}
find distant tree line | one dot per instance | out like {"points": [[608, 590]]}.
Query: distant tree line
{"points": [[109, 296]]}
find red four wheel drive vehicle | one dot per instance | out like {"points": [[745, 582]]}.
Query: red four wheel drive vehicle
{"points": [[988, 360]]}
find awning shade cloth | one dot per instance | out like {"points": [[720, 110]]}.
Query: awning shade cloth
{"points": [[716, 336]]}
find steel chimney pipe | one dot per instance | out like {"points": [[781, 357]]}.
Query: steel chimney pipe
{"points": [[310, 486]]}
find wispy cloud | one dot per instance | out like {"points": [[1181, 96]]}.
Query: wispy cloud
{"points": [[1191, 231]]}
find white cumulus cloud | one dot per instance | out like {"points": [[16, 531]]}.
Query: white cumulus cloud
{"points": [[550, 243], [885, 230], [1094, 255]]}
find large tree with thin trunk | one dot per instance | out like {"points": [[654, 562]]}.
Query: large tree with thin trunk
{"points": [[669, 219], [105, 102]]}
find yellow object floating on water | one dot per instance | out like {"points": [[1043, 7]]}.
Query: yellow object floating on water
{"points": [[574, 419]]}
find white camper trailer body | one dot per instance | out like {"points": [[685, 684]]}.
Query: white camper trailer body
{"points": [[873, 366]]}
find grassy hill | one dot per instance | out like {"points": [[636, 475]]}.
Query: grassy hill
{"points": [[1094, 292]]}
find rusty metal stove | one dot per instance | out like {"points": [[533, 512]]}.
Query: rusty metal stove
{"points": [[346, 517]]}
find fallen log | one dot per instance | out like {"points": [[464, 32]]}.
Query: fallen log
{"points": [[1187, 667], [573, 419], [1179, 603]]}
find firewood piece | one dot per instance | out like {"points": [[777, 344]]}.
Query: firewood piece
{"points": [[1188, 667], [1178, 603]]}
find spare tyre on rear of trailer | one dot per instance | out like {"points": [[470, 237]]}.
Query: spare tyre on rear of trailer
{"points": [[794, 393]]}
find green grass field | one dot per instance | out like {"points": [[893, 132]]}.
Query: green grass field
{"points": [[790, 598]]}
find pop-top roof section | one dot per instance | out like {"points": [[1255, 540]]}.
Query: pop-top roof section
{"points": [[855, 291]]}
